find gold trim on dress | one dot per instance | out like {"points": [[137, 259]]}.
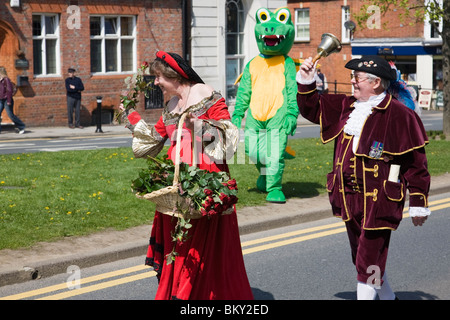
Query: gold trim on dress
{"points": [[197, 109]]}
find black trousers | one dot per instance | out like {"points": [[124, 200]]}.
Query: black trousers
{"points": [[73, 105]]}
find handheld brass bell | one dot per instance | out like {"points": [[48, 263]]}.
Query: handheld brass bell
{"points": [[328, 45]]}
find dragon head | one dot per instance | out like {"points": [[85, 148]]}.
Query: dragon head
{"points": [[274, 31]]}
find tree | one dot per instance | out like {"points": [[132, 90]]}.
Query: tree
{"points": [[418, 11]]}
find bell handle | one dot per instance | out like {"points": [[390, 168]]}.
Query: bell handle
{"points": [[317, 57]]}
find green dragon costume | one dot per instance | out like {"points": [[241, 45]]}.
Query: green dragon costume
{"points": [[268, 87]]}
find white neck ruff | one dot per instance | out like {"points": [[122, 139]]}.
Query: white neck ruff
{"points": [[356, 119]]}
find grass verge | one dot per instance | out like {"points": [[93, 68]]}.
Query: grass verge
{"points": [[46, 196]]}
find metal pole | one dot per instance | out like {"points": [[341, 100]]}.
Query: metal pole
{"points": [[99, 114]]}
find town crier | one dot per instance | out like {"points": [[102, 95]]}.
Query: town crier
{"points": [[379, 154]]}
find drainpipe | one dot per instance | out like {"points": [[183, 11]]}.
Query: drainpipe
{"points": [[184, 29]]}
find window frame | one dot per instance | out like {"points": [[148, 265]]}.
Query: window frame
{"points": [[237, 58], [103, 37], [296, 24], [346, 16], [45, 37], [429, 33]]}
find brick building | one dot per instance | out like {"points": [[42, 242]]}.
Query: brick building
{"points": [[104, 40], [416, 49]]}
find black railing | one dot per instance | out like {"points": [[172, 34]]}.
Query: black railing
{"points": [[154, 98]]}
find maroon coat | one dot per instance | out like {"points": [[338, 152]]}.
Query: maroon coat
{"points": [[392, 134], [6, 90]]}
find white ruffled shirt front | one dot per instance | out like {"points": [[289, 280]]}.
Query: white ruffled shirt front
{"points": [[354, 124], [356, 119]]}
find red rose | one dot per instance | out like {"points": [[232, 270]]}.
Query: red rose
{"points": [[208, 192], [206, 204], [232, 183], [224, 198]]}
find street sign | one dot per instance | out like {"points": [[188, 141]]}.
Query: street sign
{"points": [[425, 99]]}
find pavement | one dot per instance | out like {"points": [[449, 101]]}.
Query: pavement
{"points": [[8, 132], [50, 258]]}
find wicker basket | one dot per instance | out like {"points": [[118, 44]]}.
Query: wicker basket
{"points": [[167, 200]]}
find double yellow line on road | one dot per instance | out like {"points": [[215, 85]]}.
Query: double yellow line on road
{"points": [[83, 281], [250, 246]]}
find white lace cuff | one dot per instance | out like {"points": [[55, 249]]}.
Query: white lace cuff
{"points": [[146, 140], [301, 81], [419, 212]]}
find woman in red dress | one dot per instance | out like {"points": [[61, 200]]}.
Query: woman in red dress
{"points": [[209, 264]]}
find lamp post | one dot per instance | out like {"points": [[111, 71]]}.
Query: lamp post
{"points": [[99, 114]]}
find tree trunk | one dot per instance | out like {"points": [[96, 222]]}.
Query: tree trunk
{"points": [[446, 67]]}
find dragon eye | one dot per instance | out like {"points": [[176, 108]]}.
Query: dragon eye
{"points": [[283, 15], [263, 15]]}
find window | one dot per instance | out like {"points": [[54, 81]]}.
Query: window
{"points": [[302, 25], [430, 26], [234, 44], [113, 44], [346, 32], [46, 50]]}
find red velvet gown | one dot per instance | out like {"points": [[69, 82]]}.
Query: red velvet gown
{"points": [[210, 264]]}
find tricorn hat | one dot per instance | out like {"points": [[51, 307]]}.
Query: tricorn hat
{"points": [[178, 64], [374, 65]]}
